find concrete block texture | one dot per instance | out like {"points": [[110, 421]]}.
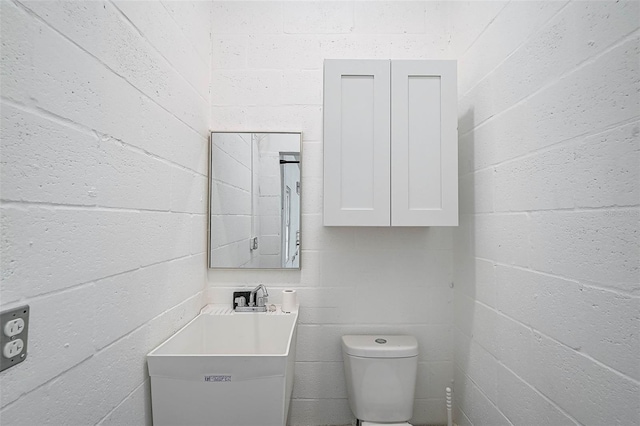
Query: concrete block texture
{"points": [[523, 404], [267, 75], [575, 35], [106, 109], [601, 246], [595, 321], [104, 126], [517, 20], [590, 99], [547, 256], [316, 17], [129, 55]]}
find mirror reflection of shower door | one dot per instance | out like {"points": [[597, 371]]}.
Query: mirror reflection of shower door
{"points": [[290, 176], [286, 224]]}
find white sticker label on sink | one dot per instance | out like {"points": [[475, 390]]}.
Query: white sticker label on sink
{"points": [[218, 378]]}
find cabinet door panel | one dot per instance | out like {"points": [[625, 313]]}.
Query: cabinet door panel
{"points": [[356, 143], [424, 182]]}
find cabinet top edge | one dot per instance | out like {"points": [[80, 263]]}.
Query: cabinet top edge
{"points": [[452, 61]]}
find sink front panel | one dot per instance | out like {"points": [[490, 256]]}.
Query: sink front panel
{"points": [[229, 370]]}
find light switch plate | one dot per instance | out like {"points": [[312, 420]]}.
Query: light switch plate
{"points": [[9, 335]]}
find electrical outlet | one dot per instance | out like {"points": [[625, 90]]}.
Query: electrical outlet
{"points": [[14, 324], [14, 327], [13, 348]]}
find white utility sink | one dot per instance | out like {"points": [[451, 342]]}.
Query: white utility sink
{"points": [[225, 368]]}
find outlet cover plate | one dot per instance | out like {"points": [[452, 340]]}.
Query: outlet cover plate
{"points": [[5, 317]]}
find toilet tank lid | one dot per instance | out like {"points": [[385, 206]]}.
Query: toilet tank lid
{"points": [[380, 346]]}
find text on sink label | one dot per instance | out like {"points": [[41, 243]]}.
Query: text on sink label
{"points": [[218, 378]]}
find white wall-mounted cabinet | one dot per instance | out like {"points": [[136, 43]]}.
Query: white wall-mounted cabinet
{"points": [[390, 143]]}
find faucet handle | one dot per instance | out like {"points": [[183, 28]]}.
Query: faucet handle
{"points": [[241, 301], [262, 301]]}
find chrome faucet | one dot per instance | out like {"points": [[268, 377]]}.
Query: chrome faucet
{"points": [[261, 300], [252, 306]]}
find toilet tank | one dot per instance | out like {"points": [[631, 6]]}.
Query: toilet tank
{"points": [[380, 373]]}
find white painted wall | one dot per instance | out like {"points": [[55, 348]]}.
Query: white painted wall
{"points": [[104, 162], [547, 257], [105, 112], [267, 75]]}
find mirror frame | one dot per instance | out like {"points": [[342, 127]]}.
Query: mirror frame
{"points": [[209, 199]]}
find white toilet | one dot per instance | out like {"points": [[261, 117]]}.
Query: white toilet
{"points": [[381, 377]]}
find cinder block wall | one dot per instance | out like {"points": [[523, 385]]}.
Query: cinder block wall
{"points": [[547, 256], [267, 76], [105, 112], [104, 161]]}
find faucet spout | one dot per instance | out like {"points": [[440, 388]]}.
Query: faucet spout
{"points": [[252, 296]]}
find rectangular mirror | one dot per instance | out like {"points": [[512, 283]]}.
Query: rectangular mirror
{"points": [[254, 200]]}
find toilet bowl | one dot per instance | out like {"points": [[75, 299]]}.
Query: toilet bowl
{"points": [[380, 373]]}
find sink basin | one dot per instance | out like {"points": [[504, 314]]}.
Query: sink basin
{"points": [[225, 368]]}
